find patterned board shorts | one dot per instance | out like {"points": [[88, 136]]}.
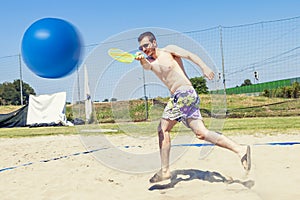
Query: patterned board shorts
{"points": [[183, 104]]}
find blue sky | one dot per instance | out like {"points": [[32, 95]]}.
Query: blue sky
{"points": [[97, 20]]}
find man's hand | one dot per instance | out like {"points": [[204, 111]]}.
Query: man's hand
{"points": [[139, 56], [208, 73]]}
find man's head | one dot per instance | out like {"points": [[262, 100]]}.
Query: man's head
{"points": [[147, 42], [148, 34]]}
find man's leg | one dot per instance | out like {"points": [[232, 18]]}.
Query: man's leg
{"points": [[164, 129], [203, 133]]}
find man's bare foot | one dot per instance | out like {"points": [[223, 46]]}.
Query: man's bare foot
{"points": [[246, 159], [159, 176]]}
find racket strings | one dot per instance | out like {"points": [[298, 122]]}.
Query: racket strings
{"points": [[121, 56]]}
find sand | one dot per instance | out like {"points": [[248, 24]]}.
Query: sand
{"points": [[60, 167]]}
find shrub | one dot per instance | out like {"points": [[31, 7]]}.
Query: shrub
{"points": [[292, 91]]}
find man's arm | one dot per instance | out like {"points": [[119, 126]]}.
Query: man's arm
{"points": [[180, 52]]}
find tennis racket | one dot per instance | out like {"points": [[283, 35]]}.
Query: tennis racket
{"points": [[121, 56]]}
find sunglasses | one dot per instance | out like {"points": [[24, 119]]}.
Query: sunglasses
{"points": [[141, 48]]}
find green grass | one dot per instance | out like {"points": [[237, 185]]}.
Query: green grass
{"points": [[238, 106], [247, 115], [38, 131], [268, 125], [263, 125]]}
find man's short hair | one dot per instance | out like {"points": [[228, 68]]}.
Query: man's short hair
{"points": [[148, 34]]}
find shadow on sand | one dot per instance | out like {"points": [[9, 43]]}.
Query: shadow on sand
{"points": [[194, 174]]}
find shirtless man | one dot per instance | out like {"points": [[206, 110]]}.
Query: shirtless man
{"points": [[184, 103]]}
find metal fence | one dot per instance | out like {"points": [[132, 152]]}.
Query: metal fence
{"points": [[261, 52]]}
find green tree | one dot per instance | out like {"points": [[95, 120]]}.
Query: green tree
{"points": [[246, 82], [199, 83], [26, 89], [10, 93]]}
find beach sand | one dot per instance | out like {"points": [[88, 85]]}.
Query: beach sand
{"points": [[60, 167]]}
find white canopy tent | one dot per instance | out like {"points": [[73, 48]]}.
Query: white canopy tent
{"points": [[47, 109]]}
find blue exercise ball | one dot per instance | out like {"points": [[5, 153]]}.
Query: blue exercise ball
{"points": [[51, 48]]}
